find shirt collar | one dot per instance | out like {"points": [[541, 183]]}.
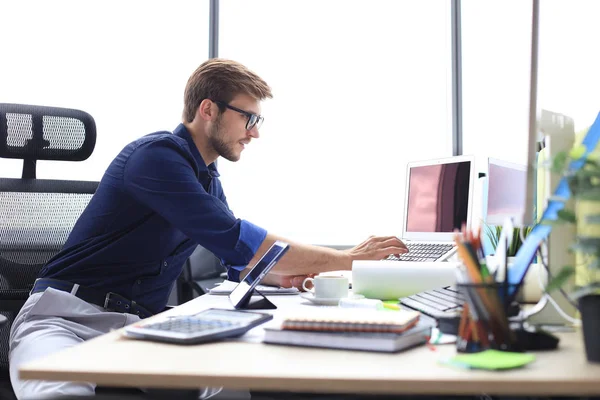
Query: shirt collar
{"points": [[182, 132]]}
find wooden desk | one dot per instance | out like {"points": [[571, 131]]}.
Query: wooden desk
{"points": [[248, 364]]}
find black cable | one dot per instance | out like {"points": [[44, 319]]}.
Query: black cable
{"points": [[543, 261]]}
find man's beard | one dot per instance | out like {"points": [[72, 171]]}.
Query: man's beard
{"points": [[216, 140]]}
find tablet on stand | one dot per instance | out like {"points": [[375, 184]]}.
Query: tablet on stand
{"points": [[242, 296]]}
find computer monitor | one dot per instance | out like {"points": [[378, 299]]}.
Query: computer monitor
{"points": [[505, 194]]}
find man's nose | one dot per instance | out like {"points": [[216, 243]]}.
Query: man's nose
{"points": [[254, 132]]}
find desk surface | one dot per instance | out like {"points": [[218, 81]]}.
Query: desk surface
{"points": [[246, 363]]}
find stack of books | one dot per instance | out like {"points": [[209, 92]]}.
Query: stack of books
{"points": [[369, 330]]}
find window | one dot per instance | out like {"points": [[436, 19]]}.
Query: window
{"points": [[124, 62], [496, 50], [360, 88], [496, 60], [569, 62]]}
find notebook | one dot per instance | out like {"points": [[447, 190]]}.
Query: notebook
{"points": [[366, 341], [349, 320]]}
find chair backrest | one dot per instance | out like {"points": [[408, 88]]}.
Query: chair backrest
{"points": [[37, 215], [204, 265], [201, 266]]}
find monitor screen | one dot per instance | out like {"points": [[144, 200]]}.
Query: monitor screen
{"points": [[506, 191], [438, 197]]}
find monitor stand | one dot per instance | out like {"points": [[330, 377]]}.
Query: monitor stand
{"points": [[254, 303], [559, 135], [544, 313]]}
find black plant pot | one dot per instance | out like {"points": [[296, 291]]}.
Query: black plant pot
{"points": [[589, 307]]}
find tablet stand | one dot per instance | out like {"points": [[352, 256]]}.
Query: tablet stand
{"points": [[257, 304]]}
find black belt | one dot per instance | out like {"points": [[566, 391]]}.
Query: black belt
{"points": [[109, 301]]}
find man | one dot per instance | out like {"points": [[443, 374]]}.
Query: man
{"points": [[159, 199]]}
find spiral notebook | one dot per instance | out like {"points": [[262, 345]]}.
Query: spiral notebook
{"points": [[366, 341], [350, 320]]}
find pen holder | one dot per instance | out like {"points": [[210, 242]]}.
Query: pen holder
{"points": [[484, 320]]}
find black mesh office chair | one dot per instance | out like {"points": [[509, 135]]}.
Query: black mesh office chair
{"points": [[37, 215]]}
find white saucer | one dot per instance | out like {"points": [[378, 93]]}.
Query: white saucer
{"points": [[322, 301]]}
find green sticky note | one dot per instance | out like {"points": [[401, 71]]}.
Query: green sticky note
{"points": [[492, 359]]}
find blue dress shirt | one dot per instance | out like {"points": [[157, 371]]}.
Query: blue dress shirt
{"points": [[155, 203]]}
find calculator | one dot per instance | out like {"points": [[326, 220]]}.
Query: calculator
{"points": [[207, 326]]}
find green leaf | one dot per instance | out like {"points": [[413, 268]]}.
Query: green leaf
{"points": [[567, 215], [559, 162], [492, 233], [577, 152], [560, 279]]}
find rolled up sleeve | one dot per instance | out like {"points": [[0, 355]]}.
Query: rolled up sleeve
{"points": [[251, 237]]}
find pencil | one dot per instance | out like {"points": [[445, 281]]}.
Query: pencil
{"points": [[463, 321], [474, 330]]}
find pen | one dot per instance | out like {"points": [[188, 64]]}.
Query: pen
{"points": [[480, 254]]}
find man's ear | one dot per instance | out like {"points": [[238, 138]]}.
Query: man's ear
{"points": [[207, 110]]}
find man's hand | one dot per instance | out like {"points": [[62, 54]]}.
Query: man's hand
{"points": [[377, 248], [286, 281]]}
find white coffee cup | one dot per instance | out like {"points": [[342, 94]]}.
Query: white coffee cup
{"points": [[327, 287]]}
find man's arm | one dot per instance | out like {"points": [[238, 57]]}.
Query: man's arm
{"points": [[160, 175], [303, 260]]}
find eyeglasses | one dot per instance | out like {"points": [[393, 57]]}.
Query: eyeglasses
{"points": [[253, 119]]}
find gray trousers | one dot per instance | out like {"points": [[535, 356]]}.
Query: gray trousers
{"points": [[51, 321], [54, 320]]}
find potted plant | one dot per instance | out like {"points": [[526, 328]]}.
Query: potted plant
{"points": [[493, 234], [530, 292], [584, 184]]}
